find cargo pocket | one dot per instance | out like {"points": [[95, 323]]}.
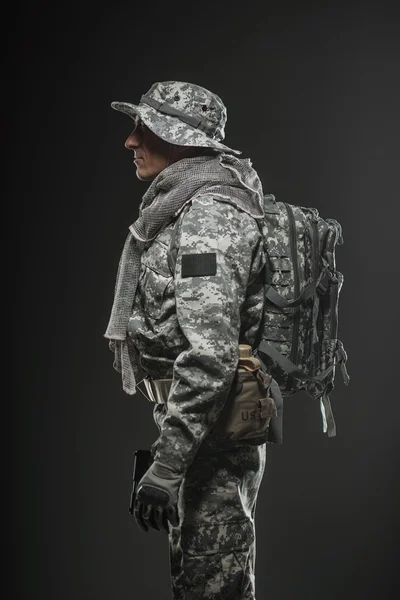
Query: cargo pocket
{"points": [[248, 409], [154, 288], [215, 558]]}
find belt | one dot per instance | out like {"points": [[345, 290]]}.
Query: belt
{"points": [[157, 389]]}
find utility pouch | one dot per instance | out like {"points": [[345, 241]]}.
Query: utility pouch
{"points": [[142, 460], [249, 407]]}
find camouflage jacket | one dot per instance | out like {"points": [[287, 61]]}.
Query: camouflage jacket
{"points": [[188, 326]]}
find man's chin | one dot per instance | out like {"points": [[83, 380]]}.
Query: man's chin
{"points": [[143, 176]]}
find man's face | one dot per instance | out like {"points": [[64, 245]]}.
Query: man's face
{"points": [[151, 153]]}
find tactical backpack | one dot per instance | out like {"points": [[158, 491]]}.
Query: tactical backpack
{"points": [[297, 343]]}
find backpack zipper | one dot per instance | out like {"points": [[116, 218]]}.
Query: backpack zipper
{"points": [[293, 248]]}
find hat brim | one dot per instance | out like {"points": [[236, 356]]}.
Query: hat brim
{"points": [[171, 129]]}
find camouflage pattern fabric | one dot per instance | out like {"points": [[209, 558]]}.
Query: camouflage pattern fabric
{"points": [[182, 113], [213, 550]]}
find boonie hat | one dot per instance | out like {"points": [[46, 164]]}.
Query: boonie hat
{"points": [[182, 113]]}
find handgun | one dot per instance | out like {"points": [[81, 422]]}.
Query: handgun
{"points": [[142, 460]]}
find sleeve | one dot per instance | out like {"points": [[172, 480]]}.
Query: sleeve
{"points": [[214, 262]]}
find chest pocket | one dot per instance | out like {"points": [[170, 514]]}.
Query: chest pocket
{"points": [[156, 281]]}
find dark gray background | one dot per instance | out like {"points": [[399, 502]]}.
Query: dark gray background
{"points": [[312, 95]]}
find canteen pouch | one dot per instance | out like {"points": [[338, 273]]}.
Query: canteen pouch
{"points": [[248, 409]]}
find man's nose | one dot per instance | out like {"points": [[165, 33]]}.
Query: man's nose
{"points": [[132, 141]]}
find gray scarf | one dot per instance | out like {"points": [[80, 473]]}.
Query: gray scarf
{"points": [[227, 178]]}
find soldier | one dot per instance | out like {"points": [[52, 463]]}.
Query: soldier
{"points": [[180, 322]]}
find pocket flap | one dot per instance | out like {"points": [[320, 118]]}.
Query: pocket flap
{"points": [[268, 407], [210, 538]]}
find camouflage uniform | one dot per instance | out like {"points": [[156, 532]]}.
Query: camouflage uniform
{"points": [[188, 328]]}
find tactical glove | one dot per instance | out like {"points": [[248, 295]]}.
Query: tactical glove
{"points": [[156, 503]]}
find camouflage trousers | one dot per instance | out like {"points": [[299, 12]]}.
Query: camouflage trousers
{"points": [[213, 550]]}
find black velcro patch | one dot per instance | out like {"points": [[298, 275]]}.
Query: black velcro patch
{"points": [[197, 265]]}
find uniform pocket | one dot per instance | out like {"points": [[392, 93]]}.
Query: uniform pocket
{"points": [[154, 289], [203, 538]]}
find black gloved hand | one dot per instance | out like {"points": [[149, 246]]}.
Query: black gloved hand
{"points": [[156, 503]]}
